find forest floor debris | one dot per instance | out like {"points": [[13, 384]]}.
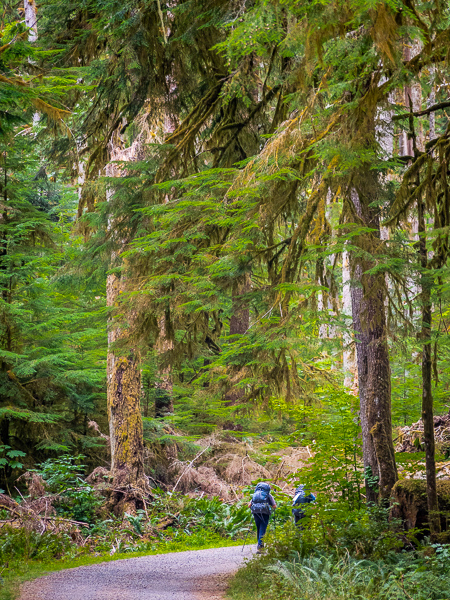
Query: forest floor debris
{"points": [[410, 438], [39, 515], [224, 467]]}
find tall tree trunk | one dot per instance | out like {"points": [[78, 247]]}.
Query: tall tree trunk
{"points": [[349, 362], [123, 396], [240, 318], [164, 344], [31, 22], [123, 374], [362, 341], [4, 290], [31, 19], [369, 322], [432, 117], [239, 324], [164, 385], [426, 282]]}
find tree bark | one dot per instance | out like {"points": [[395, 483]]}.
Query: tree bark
{"points": [[164, 385], [239, 324], [123, 374], [349, 362], [31, 19], [432, 117], [123, 394], [369, 323], [426, 282], [30, 10], [4, 290]]}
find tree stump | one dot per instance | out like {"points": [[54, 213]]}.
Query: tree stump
{"points": [[410, 505]]}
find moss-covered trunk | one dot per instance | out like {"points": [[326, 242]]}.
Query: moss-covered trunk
{"points": [[164, 384], [427, 394], [123, 394], [369, 322], [123, 364], [411, 505], [239, 324], [348, 350]]}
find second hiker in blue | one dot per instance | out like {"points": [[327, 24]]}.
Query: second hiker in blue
{"points": [[301, 497], [261, 505]]}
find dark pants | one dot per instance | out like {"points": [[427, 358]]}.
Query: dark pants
{"points": [[261, 521], [298, 516]]}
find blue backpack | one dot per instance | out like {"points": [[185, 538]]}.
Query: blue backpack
{"points": [[260, 500], [301, 498]]}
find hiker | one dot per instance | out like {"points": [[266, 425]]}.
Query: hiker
{"points": [[261, 505], [300, 497]]}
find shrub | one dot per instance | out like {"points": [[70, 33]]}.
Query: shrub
{"points": [[76, 499], [27, 544]]}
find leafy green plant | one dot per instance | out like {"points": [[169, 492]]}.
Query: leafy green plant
{"points": [[8, 460], [63, 476], [330, 428], [136, 520], [371, 479]]}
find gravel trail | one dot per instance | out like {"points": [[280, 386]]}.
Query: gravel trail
{"points": [[194, 575]]}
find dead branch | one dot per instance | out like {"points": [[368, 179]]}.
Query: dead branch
{"points": [[189, 466]]}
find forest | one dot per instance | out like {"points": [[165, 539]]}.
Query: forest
{"points": [[224, 238]]}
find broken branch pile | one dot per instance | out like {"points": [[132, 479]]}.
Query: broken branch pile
{"points": [[410, 438]]}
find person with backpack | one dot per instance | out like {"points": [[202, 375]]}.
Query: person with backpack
{"points": [[261, 505], [300, 498]]}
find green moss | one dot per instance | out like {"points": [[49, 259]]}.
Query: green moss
{"points": [[415, 457], [418, 489], [443, 488], [411, 504]]}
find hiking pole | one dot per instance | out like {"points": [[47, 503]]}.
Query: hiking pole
{"points": [[245, 541]]}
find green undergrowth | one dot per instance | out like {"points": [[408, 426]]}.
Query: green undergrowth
{"points": [[17, 571], [322, 576], [82, 531], [345, 555]]}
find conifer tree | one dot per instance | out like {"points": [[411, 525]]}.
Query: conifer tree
{"points": [[49, 379], [123, 364], [219, 231], [338, 145]]}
